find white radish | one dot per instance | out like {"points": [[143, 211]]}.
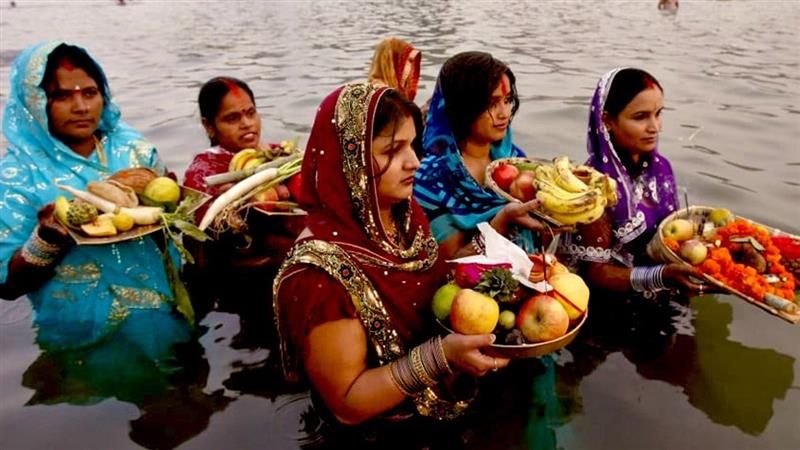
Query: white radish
{"points": [[142, 215], [237, 191]]}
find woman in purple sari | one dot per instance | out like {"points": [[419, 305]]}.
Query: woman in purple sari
{"points": [[624, 123]]}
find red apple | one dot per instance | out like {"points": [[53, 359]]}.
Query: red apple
{"points": [[473, 313], [679, 230], [542, 318], [267, 195], [295, 185], [522, 188], [504, 174], [693, 251]]}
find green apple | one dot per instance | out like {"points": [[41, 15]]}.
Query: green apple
{"points": [[679, 230], [720, 216], [443, 300]]}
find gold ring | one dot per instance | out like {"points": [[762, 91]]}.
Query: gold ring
{"points": [[495, 364]]}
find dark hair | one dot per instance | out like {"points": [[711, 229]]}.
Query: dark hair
{"points": [[214, 90], [78, 58], [467, 81], [627, 84], [392, 108]]}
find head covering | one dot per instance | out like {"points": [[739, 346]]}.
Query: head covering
{"points": [[340, 194], [391, 66], [452, 198], [644, 199], [94, 287]]}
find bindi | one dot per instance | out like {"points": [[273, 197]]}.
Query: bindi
{"points": [[67, 65]]}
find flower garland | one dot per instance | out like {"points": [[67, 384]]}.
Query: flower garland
{"points": [[721, 266]]}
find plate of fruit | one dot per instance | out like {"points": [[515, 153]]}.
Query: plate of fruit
{"points": [[752, 261], [569, 194], [126, 205], [486, 298]]}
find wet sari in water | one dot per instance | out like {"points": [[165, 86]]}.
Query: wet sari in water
{"points": [[95, 288]]}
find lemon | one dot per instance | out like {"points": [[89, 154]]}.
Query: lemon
{"points": [[163, 190], [122, 221]]}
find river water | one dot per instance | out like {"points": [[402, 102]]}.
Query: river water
{"points": [[718, 374]]}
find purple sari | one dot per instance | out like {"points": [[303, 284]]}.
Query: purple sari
{"points": [[647, 194]]}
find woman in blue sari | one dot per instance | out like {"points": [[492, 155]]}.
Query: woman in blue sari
{"points": [[64, 128], [469, 126]]}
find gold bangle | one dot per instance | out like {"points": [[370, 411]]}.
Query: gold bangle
{"points": [[419, 368]]}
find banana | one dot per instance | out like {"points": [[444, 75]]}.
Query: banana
{"points": [[238, 159], [610, 190], [252, 162], [556, 190], [585, 217], [565, 178], [552, 204]]}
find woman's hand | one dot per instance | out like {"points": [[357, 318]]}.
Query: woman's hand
{"points": [[680, 275], [51, 230], [516, 213], [463, 352]]}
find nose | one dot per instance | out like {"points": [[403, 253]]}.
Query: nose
{"points": [[654, 124], [79, 104], [411, 162]]}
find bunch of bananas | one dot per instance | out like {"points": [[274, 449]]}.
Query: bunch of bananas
{"points": [[573, 195], [250, 157]]}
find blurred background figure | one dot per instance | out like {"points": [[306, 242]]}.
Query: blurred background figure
{"points": [[668, 5]]}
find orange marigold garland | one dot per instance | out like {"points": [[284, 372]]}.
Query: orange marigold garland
{"points": [[721, 266]]}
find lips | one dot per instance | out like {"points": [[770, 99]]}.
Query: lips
{"points": [[408, 180], [248, 137], [81, 123]]}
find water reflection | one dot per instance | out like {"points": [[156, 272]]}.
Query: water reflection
{"points": [[168, 391], [731, 383]]}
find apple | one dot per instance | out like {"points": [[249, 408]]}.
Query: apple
{"points": [[522, 188], [572, 292], [679, 230], [720, 216], [443, 300], [504, 174], [295, 185], [693, 251], [473, 313], [542, 318], [266, 197]]}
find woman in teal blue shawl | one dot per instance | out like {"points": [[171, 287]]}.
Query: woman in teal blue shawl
{"points": [[474, 101], [81, 294]]}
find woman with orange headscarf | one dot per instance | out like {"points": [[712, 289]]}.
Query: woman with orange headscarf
{"points": [[396, 65]]}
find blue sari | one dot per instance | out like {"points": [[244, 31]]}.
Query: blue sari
{"points": [[451, 197], [95, 288]]}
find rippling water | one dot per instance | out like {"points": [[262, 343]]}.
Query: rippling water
{"points": [[728, 377]]}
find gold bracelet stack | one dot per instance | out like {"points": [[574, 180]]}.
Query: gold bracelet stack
{"points": [[424, 366], [39, 252]]}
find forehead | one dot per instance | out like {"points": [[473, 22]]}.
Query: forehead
{"points": [[235, 101], [648, 99], [69, 77], [503, 87]]}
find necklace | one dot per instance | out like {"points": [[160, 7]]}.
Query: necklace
{"points": [[99, 148]]}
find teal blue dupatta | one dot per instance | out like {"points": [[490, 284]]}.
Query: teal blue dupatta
{"points": [[95, 288]]}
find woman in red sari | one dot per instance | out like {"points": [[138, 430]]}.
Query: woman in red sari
{"points": [[248, 257], [396, 64], [352, 300]]}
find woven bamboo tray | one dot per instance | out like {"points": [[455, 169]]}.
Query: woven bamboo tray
{"points": [[490, 183], [696, 214]]}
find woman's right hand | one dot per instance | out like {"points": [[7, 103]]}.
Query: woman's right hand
{"points": [[680, 275], [51, 230], [463, 352]]}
